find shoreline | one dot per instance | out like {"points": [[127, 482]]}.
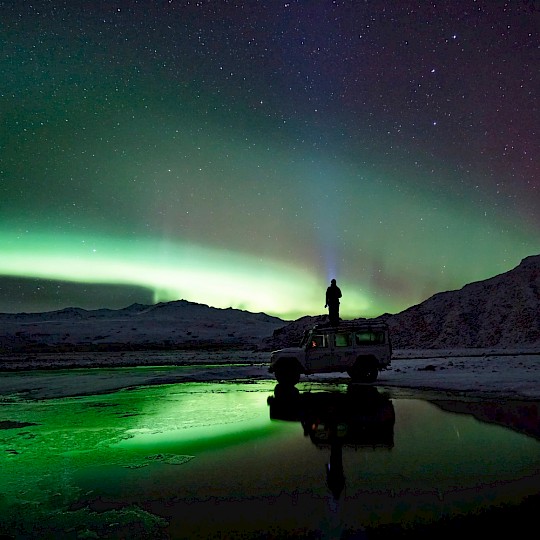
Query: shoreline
{"points": [[50, 360], [484, 375]]}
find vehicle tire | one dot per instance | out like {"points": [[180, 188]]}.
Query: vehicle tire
{"points": [[287, 374], [364, 370]]}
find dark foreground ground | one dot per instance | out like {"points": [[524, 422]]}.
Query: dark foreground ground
{"points": [[501, 522]]}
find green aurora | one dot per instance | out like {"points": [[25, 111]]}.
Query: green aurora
{"points": [[240, 158]]}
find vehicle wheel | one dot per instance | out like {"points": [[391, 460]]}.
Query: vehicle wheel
{"points": [[287, 374], [364, 370]]}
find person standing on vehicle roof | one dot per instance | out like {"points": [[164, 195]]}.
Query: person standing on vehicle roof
{"points": [[333, 294]]}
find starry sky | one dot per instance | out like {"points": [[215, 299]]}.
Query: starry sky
{"points": [[243, 153]]}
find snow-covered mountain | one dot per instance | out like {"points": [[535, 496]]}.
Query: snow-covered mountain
{"points": [[503, 311], [164, 325]]}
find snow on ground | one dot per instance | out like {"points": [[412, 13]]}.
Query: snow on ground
{"points": [[510, 375], [468, 373]]}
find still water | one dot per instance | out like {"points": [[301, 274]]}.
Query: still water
{"points": [[194, 460]]}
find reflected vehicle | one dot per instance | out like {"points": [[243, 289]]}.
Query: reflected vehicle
{"points": [[361, 417], [361, 349]]}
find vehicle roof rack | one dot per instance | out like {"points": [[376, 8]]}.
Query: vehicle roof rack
{"points": [[351, 325]]}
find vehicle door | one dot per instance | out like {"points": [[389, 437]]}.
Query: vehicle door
{"points": [[318, 352]]}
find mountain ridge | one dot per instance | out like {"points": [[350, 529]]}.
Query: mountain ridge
{"points": [[176, 324], [502, 311], [499, 311]]}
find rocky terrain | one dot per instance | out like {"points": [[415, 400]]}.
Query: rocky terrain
{"points": [[502, 311]]}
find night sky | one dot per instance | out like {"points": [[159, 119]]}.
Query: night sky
{"points": [[242, 154]]}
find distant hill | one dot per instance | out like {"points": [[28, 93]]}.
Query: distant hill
{"points": [[503, 311], [166, 325]]}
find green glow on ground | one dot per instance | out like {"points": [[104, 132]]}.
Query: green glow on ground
{"points": [[119, 429], [193, 444]]}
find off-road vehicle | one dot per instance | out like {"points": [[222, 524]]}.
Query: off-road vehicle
{"points": [[361, 349]]}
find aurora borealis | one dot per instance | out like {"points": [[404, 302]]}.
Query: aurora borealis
{"points": [[241, 154]]}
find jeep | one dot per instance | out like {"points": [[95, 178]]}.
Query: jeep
{"points": [[361, 349]]}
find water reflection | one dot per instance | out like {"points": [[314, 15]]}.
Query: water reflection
{"points": [[223, 459], [360, 417]]}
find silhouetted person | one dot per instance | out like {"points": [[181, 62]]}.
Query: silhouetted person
{"points": [[333, 294]]}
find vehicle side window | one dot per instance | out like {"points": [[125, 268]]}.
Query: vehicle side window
{"points": [[343, 340], [318, 340], [368, 338]]}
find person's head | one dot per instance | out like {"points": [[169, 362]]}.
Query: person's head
{"points": [[333, 282]]}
